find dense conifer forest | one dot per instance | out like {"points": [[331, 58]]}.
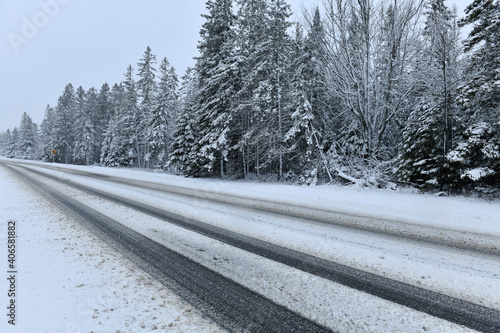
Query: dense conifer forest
{"points": [[360, 91]]}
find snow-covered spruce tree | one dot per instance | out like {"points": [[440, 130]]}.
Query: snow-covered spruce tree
{"points": [[147, 91], [47, 134], [117, 99], [264, 51], [323, 107], [428, 135], [26, 143], [274, 55], [163, 116], [250, 28], [116, 103], [12, 145], [421, 160], [216, 90], [272, 60], [102, 116], [86, 105], [185, 134], [80, 120], [5, 139], [305, 150], [314, 117], [121, 143], [480, 95], [477, 155], [131, 123], [91, 130], [115, 150], [64, 128]]}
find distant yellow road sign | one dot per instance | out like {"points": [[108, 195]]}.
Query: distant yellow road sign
{"points": [[53, 151]]}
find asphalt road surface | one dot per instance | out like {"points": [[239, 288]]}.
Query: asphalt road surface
{"points": [[230, 304]]}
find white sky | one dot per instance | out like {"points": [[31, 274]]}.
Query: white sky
{"points": [[90, 42]]}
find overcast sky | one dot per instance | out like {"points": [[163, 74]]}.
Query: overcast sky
{"points": [[45, 44]]}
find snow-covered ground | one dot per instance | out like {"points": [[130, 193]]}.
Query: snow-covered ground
{"points": [[457, 213], [69, 281], [467, 276]]}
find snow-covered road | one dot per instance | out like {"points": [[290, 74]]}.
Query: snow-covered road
{"points": [[69, 281], [466, 272]]}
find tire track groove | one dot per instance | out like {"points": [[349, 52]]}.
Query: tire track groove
{"points": [[442, 306], [231, 305], [488, 246]]}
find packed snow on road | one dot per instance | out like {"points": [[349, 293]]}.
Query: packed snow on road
{"points": [[70, 281]]}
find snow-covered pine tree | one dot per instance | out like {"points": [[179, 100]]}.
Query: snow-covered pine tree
{"points": [[323, 107], [64, 129], [276, 58], [130, 123], [163, 116], [102, 116], [250, 29], [26, 142], [121, 144], [264, 51], [12, 146], [300, 138], [185, 134], [428, 136], [477, 154], [146, 90], [86, 105], [46, 134], [115, 145], [5, 139], [216, 89]]}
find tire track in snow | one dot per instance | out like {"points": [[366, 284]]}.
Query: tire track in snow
{"points": [[230, 304], [445, 307], [440, 237]]}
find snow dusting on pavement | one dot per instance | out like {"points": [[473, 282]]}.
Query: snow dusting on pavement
{"points": [[69, 281], [87, 287]]}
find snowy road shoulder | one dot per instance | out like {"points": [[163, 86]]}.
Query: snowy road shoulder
{"points": [[395, 325], [467, 277], [455, 213], [70, 281], [307, 297]]}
